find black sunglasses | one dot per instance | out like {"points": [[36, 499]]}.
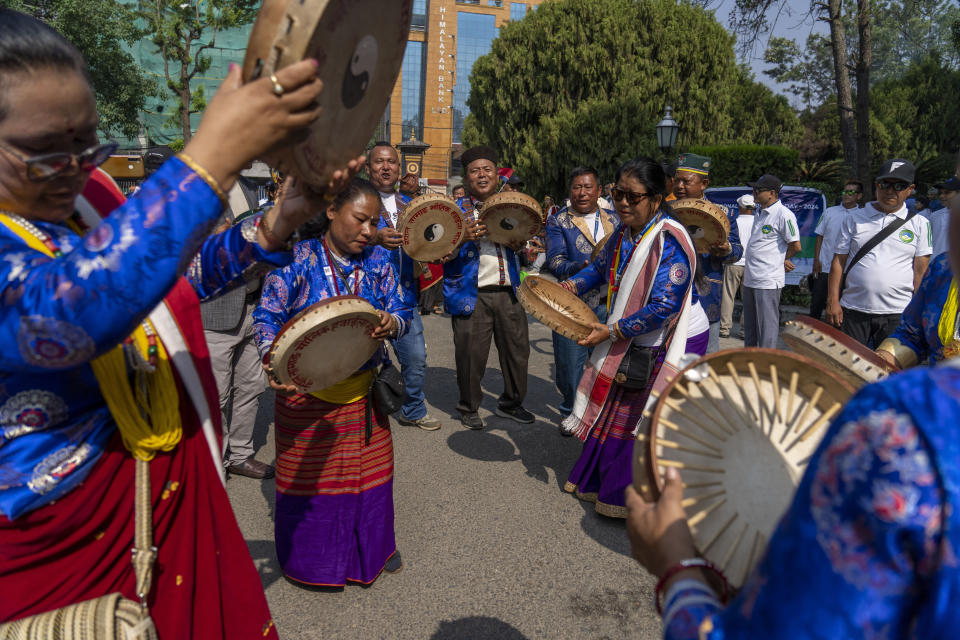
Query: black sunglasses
{"points": [[50, 165], [632, 197], [896, 186]]}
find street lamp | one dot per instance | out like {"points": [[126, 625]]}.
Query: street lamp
{"points": [[667, 130]]}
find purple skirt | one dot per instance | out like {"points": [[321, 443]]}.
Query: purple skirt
{"points": [[698, 343], [327, 540], [605, 467]]}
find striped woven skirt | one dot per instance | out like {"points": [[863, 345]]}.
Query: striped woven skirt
{"points": [[605, 466], [334, 510]]}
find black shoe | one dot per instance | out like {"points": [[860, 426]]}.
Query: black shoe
{"points": [[471, 421], [518, 414], [394, 563], [252, 469]]}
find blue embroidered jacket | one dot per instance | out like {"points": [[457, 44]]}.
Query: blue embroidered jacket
{"points": [[57, 314], [402, 263], [920, 323], [869, 547], [713, 269], [668, 289], [304, 282], [460, 274], [570, 241]]}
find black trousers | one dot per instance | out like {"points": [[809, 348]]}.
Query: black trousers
{"points": [[869, 329], [497, 315], [818, 294]]}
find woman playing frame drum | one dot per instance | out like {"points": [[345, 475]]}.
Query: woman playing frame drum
{"points": [[645, 267], [334, 509]]}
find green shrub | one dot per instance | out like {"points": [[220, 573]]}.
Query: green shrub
{"points": [[736, 164]]}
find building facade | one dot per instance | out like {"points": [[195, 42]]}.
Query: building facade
{"points": [[430, 98]]}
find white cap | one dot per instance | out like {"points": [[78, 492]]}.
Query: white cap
{"points": [[746, 202]]}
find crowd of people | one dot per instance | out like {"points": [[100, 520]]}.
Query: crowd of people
{"points": [[138, 331]]}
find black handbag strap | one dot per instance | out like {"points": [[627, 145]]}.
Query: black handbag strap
{"points": [[880, 236]]}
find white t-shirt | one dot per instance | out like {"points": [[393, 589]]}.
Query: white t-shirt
{"points": [[488, 274], [389, 201], [594, 224], [882, 281], [940, 227], [744, 227], [774, 228], [829, 228]]}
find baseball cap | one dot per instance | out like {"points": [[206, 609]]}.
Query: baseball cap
{"points": [[950, 184], [767, 182], [898, 169], [746, 202]]}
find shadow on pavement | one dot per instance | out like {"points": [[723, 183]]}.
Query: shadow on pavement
{"points": [[481, 445], [264, 556], [477, 628], [608, 532]]}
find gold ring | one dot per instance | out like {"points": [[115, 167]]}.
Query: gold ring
{"points": [[277, 87]]}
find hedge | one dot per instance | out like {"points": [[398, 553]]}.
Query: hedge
{"points": [[736, 164]]}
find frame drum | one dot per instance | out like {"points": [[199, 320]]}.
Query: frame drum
{"points": [[556, 307], [828, 345], [740, 426], [359, 48], [707, 223], [511, 217], [432, 226], [325, 343]]}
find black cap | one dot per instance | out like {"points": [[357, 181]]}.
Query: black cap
{"points": [[516, 181], [898, 169], [767, 182], [950, 184], [478, 153]]}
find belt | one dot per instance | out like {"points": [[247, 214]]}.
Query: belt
{"points": [[494, 289]]}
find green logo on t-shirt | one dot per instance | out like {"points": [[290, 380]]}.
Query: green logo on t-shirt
{"points": [[766, 229], [906, 236]]}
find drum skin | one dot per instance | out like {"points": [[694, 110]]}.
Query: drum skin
{"points": [[511, 217], [358, 46], [325, 343], [431, 227], [740, 426], [556, 307], [706, 222]]}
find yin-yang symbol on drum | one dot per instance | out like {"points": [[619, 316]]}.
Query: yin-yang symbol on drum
{"points": [[509, 224], [359, 73], [695, 232], [433, 232]]}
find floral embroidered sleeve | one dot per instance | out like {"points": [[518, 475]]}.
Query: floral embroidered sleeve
{"points": [[865, 527], [231, 257], [279, 288], [393, 298], [910, 331], [596, 273], [666, 298], [557, 261], [65, 311]]}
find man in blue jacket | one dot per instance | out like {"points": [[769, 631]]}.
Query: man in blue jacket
{"points": [[479, 291]]}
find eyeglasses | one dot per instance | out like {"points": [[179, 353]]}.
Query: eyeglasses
{"points": [[632, 198], [50, 165], [851, 192], [896, 186]]}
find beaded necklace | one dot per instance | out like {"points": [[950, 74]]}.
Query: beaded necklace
{"points": [[47, 241]]}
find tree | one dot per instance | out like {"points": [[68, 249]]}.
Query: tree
{"points": [[806, 71], [99, 28], [585, 81], [181, 31]]}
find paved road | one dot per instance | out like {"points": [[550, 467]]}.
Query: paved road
{"points": [[492, 547]]}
